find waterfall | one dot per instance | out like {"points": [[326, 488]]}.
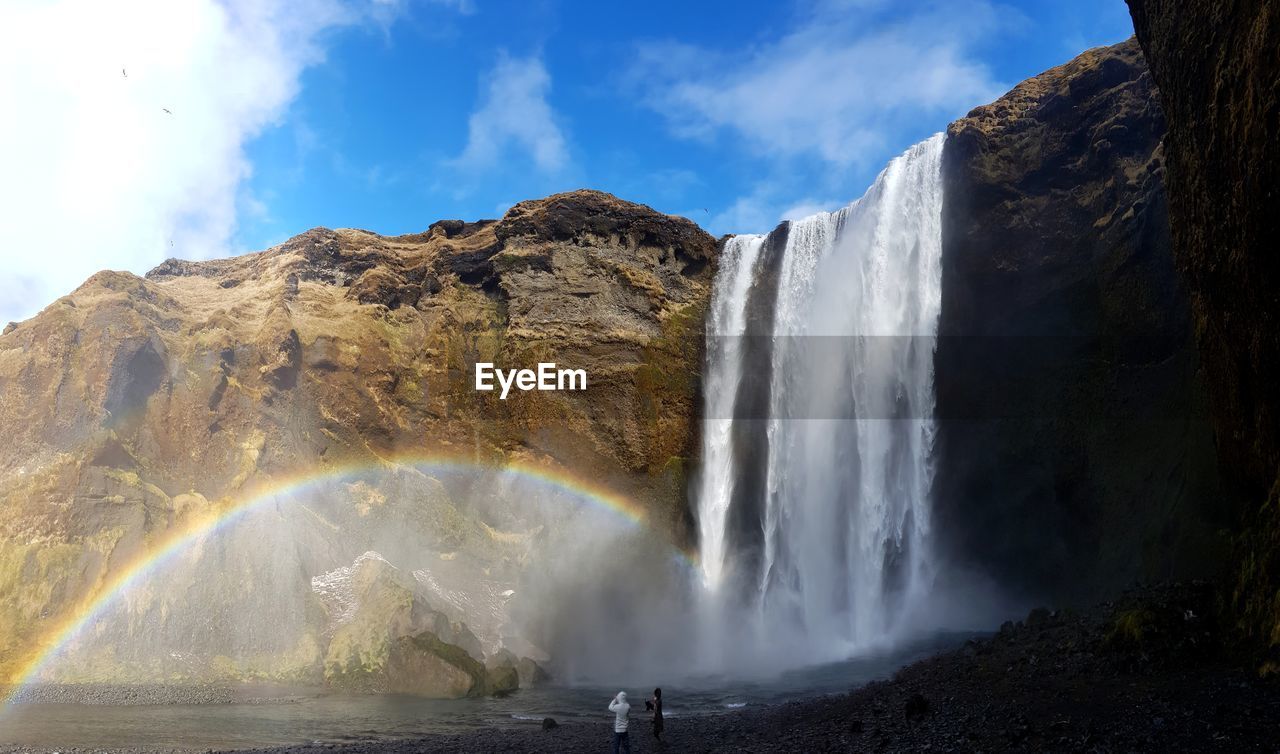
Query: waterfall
{"points": [[727, 319], [812, 505]]}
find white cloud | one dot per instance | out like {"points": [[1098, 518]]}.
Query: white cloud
{"points": [[96, 173], [836, 86], [761, 210], [514, 115], [385, 11], [753, 213]]}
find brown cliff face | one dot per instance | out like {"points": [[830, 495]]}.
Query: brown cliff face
{"points": [[132, 403], [1074, 454], [1218, 68]]}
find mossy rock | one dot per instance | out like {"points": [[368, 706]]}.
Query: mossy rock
{"points": [[424, 665], [1131, 629], [531, 673], [503, 679]]}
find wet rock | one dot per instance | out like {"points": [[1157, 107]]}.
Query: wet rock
{"points": [[424, 665], [391, 640], [531, 673], [503, 677], [139, 371]]}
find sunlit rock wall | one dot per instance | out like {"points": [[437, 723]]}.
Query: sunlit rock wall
{"points": [[133, 406]]}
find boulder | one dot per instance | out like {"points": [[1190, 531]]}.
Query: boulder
{"points": [[531, 673], [502, 680], [424, 665], [392, 640]]}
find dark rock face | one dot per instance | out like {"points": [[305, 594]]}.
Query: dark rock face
{"points": [[1074, 453], [1217, 65]]}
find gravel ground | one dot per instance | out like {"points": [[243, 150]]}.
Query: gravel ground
{"points": [[124, 694], [1146, 673]]}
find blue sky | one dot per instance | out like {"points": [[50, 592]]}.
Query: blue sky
{"points": [[390, 114], [371, 140]]}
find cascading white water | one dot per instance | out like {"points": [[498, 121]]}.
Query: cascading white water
{"points": [[725, 325], [813, 501]]}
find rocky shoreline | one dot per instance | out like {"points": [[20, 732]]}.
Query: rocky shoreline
{"points": [[1147, 672]]}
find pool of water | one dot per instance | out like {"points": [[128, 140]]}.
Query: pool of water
{"points": [[306, 716]]}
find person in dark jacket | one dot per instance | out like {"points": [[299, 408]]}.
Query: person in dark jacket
{"points": [[655, 704]]}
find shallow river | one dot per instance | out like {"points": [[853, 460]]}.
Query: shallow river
{"points": [[303, 716]]}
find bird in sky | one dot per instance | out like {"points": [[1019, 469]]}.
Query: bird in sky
{"points": [[167, 110], [124, 73]]}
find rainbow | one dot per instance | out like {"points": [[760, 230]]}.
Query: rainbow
{"points": [[202, 524]]}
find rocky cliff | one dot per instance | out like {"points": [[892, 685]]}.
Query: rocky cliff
{"points": [[1074, 454], [135, 405], [1217, 65]]}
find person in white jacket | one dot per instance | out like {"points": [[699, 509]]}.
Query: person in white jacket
{"points": [[620, 710]]}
